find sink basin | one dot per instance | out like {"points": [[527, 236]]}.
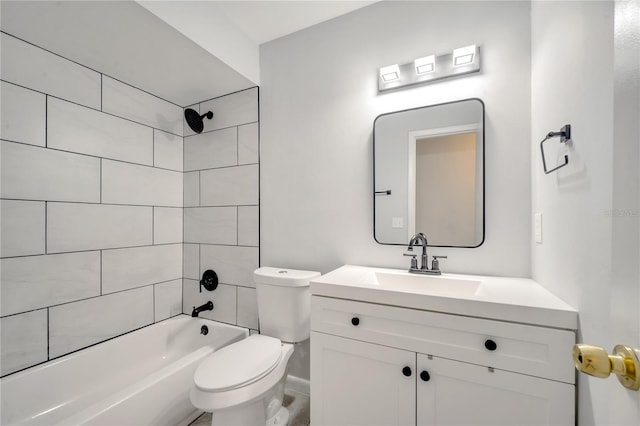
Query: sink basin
{"points": [[427, 283]]}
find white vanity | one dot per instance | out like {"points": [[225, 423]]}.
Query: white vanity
{"points": [[393, 348]]}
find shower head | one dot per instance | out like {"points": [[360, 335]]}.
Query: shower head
{"points": [[194, 120]]}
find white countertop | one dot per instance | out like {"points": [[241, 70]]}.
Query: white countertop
{"points": [[518, 300]]}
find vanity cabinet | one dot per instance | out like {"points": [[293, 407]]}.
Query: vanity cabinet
{"points": [[458, 393], [387, 365], [360, 383]]}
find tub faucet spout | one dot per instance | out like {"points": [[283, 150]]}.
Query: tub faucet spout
{"points": [[206, 307]]}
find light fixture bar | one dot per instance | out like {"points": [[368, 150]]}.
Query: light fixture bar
{"points": [[430, 68]]}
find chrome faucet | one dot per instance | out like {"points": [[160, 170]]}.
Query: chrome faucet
{"points": [[424, 258], [206, 307]]}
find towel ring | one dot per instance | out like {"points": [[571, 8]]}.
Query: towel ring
{"points": [[565, 135]]}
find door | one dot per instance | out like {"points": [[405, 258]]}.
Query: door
{"points": [[358, 383], [459, 393]]}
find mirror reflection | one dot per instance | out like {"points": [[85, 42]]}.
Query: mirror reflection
{"points": [[429, 174]]}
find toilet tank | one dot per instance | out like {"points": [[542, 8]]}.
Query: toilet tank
{"points": [[284, 302]]}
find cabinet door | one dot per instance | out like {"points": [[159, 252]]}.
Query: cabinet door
{"points": [[358, 383], [458, 393]]}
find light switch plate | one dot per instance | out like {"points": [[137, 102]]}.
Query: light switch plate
{"points": [[537, 228]]}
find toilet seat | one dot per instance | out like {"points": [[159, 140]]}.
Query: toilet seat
{"points": [[241, 394], [239, 364]]}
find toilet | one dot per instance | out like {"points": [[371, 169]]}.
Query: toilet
{"points": [[243, 383]]}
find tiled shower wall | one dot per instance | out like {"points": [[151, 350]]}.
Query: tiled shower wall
{"points": [[221, 198], [91, 210]]}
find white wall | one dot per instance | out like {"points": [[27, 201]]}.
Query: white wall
{"points": [[591, 239], [318, 103]]}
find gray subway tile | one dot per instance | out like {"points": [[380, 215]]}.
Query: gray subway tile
{"points": [[229, 186], [124, 183], [30, 66], [128, 102], [248, 223], [167, 225], [248, 144], [167, 299], [35, 173], [191, 189], [168, 150], [212, 225], [23, 341], [127, 268], [75, 128], [210, 150], [22, 228], [234, 265], [22, 115], [234, 109], [191, 261], [76, 325], [35, 282], [75, 227]]}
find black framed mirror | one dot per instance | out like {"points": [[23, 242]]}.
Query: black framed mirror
{"points": [[428, 167]]}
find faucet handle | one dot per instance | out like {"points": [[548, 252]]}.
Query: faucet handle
{"points": [[435, 263], [414, 261]]}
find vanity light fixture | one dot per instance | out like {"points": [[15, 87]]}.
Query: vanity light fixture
{"points": [[464, 55], [390, 73], [427, 69], [425, 65]]}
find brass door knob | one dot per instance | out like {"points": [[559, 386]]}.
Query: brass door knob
{"points": [[596, 361]]}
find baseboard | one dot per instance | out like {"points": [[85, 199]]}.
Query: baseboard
{"points": [[190, 418], [297, 384]]}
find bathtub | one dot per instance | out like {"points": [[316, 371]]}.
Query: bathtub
{"points": [[140, 378]]}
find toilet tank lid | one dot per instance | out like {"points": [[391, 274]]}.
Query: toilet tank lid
{"points": [[284, 277]]}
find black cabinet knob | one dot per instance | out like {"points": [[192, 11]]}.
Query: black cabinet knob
{"points": [[406, 371], [490, 345], [355, 321], [424, 375]]}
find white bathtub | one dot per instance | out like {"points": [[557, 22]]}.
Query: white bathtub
{"points": [[140, 378]]}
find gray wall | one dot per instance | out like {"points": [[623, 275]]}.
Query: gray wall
{"points": [[319, 100], [91, 210]]}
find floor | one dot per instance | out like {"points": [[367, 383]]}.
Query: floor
{"points": [[296, 403]]}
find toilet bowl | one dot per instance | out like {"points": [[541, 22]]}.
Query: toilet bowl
{"points": [[243, 377], [243, 383]]}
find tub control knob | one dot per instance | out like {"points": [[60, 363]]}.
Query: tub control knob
{"points": [[406, 371], [424, 375], [490, 345], [209, 280], [355, 321]]}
